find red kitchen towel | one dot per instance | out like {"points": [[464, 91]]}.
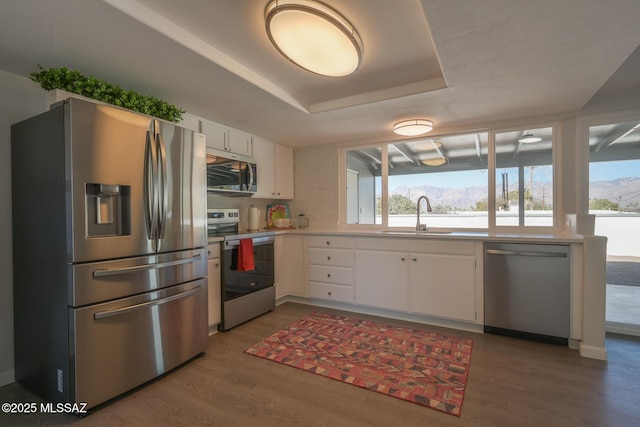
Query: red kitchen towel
{"points": [[245, 255]]}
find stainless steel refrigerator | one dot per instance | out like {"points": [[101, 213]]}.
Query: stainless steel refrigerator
{"points": [[109, 258]]}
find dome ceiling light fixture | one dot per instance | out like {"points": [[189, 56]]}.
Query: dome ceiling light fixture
{"points": [[529, 138], [314, 36], [438, 161], [413, 127]]}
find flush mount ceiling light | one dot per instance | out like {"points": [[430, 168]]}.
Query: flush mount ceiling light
{"points": [[314, 36], [413, 127], [529, 138], [438, 161]]}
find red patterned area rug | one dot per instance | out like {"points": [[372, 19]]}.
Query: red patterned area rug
{"points": [[418, 366]]}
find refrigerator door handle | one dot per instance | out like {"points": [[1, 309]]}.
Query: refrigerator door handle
{"points": [[123, 310], [162, 181], [144, 267], [150, 188]]}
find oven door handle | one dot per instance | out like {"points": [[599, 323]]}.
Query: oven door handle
{"points": [[257, 241], [144, 267], [123, 310]]}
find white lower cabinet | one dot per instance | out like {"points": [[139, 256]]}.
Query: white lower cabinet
{"points": [[439, 282], [382, 279], [289, 265], [214, 291], [443, 286]]}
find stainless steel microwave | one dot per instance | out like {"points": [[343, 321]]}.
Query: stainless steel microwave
{"points": [[230, 174]]}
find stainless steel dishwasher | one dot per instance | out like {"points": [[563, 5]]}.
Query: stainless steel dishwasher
{"points": [[526, 291]]}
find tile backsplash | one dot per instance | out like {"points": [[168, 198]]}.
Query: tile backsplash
{"points": [[317, 186]]}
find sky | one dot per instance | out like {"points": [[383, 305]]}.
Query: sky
{"points": [[608, 171]]}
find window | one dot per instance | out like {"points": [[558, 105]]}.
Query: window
{"points": [[384, 182], [614, 200], [451, 171], [364, 178], [524, 178]]}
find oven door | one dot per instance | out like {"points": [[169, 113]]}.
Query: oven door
{"points": [[240, 283]]}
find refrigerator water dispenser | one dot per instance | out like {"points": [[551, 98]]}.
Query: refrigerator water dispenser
{"points": [[108, 208]]}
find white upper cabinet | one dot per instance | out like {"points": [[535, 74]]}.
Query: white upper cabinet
{"points": [[239, 143], [275, 169], [283, 171], [223, 138]]}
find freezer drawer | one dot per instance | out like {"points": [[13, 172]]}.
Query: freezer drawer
{"points": [[527, 290], [119, 345], [96, 282]]}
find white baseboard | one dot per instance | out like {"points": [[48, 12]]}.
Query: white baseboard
{"points": [[7, 377], [592, 352], [396, 315], [623, 328]]}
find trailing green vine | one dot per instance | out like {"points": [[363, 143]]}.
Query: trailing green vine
{"points": [[91, 87]]}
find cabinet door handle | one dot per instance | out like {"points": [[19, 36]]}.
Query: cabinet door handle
{"points": [[329, 293], [328, 242], [329, 275], [415, 259], [329, 258], [402, 258]]}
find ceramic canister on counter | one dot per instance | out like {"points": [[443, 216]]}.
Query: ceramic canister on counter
{"points": [[303, 221]]}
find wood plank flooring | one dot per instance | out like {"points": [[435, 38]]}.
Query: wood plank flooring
{"points": [[511, 383]]}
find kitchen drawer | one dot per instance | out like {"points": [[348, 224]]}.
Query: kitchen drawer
{"points": [[331, 242], [121, 344], [339, 275], [331, 257], [331, 292]]}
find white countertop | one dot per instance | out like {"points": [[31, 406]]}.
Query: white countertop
{"points": [[454, 235]]}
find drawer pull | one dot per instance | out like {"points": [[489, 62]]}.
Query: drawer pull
{"points": [[402, 258], [328, 242], [329, 275], [415, 259], [329, 258], [329, 293]]}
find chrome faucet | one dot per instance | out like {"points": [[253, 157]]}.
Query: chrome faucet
{"points": [[419, 226]]}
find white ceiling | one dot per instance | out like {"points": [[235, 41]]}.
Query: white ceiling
{"points": [[459, 63]]}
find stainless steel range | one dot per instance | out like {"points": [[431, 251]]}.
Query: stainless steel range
{"points": [[245, 294]]}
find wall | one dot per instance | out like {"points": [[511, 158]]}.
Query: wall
{"points": [[317, 190], [20, 98]]}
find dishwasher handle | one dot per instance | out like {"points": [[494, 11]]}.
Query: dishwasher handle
{"points": [[527, 253]]}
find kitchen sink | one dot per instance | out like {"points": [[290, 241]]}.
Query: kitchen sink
{"points": [[414, 232]]}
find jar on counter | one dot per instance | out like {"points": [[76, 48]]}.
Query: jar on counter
{"points": [[303, 221]]}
